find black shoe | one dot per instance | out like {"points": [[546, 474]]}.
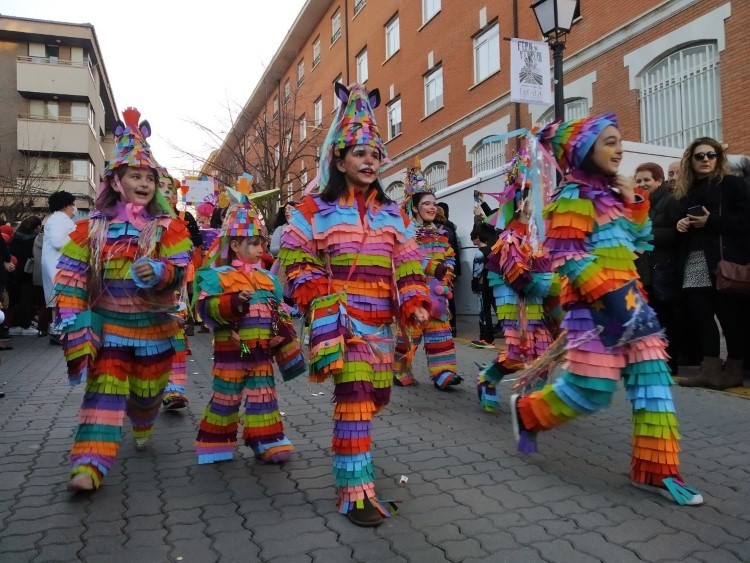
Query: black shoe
{"points": [[2, 349], [367, 516]]}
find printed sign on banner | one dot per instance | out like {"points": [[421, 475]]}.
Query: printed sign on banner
{"points": [[199, 190], [530, 72]]}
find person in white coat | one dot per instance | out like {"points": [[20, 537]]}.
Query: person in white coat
{"points": [[57, 231]]}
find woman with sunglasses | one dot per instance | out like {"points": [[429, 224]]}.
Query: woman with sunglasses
{"points": [[716, 217]]}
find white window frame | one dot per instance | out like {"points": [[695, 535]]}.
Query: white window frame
{"points": [[430, 8], [277, 153], [288, 142], [300, 72], [302, 128], [487, 53], [336, 99], [287, 90], [680, 97], [358, 5], [362, 72], [275, 106], [487, 156], [335, 26], [289, 188], [318, 110], [396, 191], [316, 52], [437, 175], [392, 37], [394, 126], [303, 179], [433, 81]]}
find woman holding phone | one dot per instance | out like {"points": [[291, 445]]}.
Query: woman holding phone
{"points": [[715, 223]]}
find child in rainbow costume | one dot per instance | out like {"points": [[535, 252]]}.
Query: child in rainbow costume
{"points": [[595, 225], [524, 287], [243, 304], [438, 261], [115, 288], [352, 262]]}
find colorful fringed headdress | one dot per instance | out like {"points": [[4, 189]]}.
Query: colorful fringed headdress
{"points": [[570, 141], [243, 218], [354, 125], [415, 183], [515, 190], [131, 149]]}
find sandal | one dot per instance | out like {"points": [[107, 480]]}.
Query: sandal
{"points": [[675, 490]]}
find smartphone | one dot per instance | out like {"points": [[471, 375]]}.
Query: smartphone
{"points": [[477, 198], [695, 211]]}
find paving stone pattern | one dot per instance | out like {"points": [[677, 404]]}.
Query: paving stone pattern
{"points": [[469, 496]]}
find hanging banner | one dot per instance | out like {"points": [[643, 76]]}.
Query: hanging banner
{"points": [[530, 81], [200, 189]]}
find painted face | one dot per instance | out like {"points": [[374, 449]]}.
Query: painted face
{"points": [[426, 209], [360, 165], [608, 151], [249, 250], [167, 189], [138, 185], [645, 180], [673, 173], [704, 160]]}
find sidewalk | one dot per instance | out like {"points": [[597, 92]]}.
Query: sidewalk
{"points": [[469, 495]]}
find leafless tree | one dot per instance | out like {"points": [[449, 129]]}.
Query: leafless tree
{"points": [[25, 187]]}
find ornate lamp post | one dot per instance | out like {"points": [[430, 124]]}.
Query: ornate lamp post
{"points": [[555, 17]]}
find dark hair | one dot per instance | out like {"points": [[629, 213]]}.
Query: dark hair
{"points": [[29, 224], [217, 217], [280, 218], [415, 199], [657, 172], [231, 255], [60, 200], [485, 233], [445, 208], [337, 184]]}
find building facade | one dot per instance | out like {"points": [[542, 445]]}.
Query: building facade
{"points": [[672, 70], [59, 113]]}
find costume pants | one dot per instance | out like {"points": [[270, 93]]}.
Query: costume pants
{"points": [[589, 378], [439, 347], [178, 375], [362, 389], [122, 380], [263, 429]]}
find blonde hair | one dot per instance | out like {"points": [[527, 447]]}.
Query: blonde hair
{"points": [[687, 174]]}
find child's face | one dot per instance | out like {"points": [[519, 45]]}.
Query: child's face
{"points": [[608, 151], [138, 185], [167, 189], [249, 250]]}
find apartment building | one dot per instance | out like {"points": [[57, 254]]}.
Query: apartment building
{"points": [[58, 113], [671, 70]]}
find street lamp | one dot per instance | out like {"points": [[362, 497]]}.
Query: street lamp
{"points": [[555, 17]]}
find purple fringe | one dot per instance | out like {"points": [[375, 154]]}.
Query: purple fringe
{"points": [[527, 442]]}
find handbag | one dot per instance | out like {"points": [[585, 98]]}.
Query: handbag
{"points": [[730, 276]]}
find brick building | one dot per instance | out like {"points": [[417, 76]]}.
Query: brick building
{"points": [[671, 70], [58, 112]]}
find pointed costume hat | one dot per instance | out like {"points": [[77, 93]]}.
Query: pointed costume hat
{"points": [[570, 141], [415, 182], [353, 125], [243, 218]]}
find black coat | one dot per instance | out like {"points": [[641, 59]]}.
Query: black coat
{"points": [[731, 224], [450, 232], [664, 212]]}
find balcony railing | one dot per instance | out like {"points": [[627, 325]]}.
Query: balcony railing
{"points": [[57, 62]]}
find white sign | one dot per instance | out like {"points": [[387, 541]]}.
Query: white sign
{"points": [[530, 72], [199, 190]]}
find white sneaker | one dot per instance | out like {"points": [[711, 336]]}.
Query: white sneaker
{"points": [[142, 443], [29, 331]]}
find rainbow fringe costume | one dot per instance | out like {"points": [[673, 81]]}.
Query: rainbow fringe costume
{"points": [[120, 333], [592, 237], [243, 363], [438, 339], [370, 262], [526, 297]]}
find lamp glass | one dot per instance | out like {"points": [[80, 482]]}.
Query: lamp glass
{"points": [[544, 10], [566, 10]]}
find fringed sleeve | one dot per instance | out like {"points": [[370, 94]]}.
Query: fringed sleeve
{"points": [[640, 223], [216, 307], [288, 354], [409, 275], [174, 254], [304, 269]]}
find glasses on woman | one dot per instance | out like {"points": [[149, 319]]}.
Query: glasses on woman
{"points": [[702, 155]]}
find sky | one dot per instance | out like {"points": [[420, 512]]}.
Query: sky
{"points": [[178, 62]]}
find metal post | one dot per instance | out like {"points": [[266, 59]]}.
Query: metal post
{"points": [[558, 46]]}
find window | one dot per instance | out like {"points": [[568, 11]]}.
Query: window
{"points": [[486, 53], [487, 156], [396, 191], [277, 153], [392, 38], [303, 179], [79, 169], [289, 188], [336, 100], [45, 167], [44, 109], [318, 112], [302, 128], [362, 67], [358, 5], [574, 109], [288, 142], [335, 26], [681, 97], [429, 9], [275, 106], [300, 72], [433, 91], [437, 175], [287, 91], [394, 119], [316, 52]]}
